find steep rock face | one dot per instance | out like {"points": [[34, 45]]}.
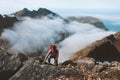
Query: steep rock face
{"points": [[117, 41], [107, 49], [91, 20], [6, 22]]}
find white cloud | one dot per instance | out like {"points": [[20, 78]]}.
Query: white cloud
{"points": [[32, 35]]}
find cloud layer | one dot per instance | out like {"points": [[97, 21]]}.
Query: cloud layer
{"points": [[32, 35]]}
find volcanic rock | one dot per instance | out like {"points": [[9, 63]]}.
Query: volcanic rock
{"points": [[88, 63], [7, 22], [20, 67], [111, 73], [34, 70], [106, 49], [10, 64]]}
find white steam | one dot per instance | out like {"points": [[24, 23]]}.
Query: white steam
{"points": [[32, 35]]}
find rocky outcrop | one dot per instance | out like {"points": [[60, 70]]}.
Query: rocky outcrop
{"points": [[34, 70], [90, 20], [104, 71], [6, 22], [10, 64], [106, 49], [21, 67]]}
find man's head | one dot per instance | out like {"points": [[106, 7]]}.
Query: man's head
{"points": [[53, 47]]}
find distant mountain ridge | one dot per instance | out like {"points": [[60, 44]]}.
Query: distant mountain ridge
{"points": [[41, 12], [88, 19]]}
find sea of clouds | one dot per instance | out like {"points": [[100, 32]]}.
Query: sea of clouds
{"points": [[32, 35]]}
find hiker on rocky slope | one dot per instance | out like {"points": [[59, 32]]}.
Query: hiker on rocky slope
{"points": [[52, 53]]}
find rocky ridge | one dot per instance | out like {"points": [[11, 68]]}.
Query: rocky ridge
{"points": [[20, 67], [40, 13], [106, 49]]}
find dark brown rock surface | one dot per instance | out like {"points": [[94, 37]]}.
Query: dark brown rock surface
{"points": [[34, 70], [91, 20], [106, 49], [7, 22], [20, 67]]}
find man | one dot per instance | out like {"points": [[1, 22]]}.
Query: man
{"points": [[52, 53]]}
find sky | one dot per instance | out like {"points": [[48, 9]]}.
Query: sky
{"points": [[10, 6]]}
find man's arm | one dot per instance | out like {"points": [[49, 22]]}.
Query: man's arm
{"points": [[46, 56]]}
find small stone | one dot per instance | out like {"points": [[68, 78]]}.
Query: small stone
{"points": [[18, 74]]}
